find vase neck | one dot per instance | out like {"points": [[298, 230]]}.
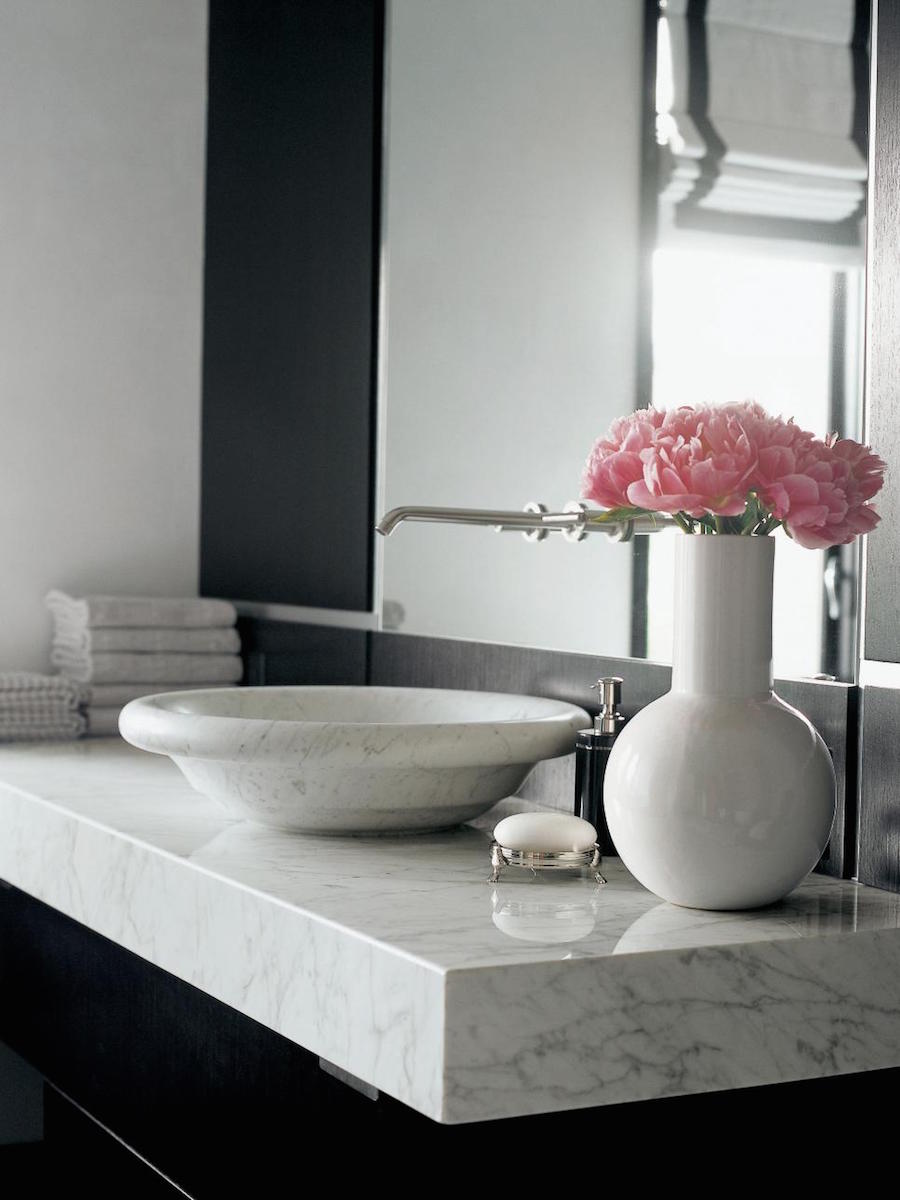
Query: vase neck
{"points": [[723, 615]]}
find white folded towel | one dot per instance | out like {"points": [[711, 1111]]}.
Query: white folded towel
{"points": [[151, 668], [86, 640], [115, 695], [143, 611]]}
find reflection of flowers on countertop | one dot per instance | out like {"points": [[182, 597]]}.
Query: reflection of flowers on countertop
{"points": [[735, 469]]}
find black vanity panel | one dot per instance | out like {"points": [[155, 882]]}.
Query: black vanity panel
{"points": [[79, 1155], [292, 232]]}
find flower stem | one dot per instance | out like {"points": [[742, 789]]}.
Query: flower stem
{"points": [[683, 522], [752, 516]]}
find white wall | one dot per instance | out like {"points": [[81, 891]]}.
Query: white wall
{"points": [[102, 125], [512, 207]]}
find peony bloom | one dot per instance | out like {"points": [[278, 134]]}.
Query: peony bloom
{"points": [[714, 461], [866, 468], [830, 491], [779, 446], [615, 462], [692, 460], [701, 461]]}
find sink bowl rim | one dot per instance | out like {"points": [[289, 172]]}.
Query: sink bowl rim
{"points": [[557, 708], [151, 724]]}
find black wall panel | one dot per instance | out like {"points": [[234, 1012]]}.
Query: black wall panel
{"points": [[292, 226], [879, 811], [882, 575], [276, 652]]}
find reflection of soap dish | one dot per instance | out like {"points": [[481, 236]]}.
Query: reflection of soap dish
{"points": [[545, 842], [550, 923]]}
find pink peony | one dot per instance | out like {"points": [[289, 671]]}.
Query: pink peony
{"points": [[701, 461], [692, 460], [829, 494], [615, 460], [710, 461], [779, 447]]}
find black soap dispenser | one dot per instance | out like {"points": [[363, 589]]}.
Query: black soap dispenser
{"points": [[592, 750]]}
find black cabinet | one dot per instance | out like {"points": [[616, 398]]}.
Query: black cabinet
{"points": [[78, 1156]]}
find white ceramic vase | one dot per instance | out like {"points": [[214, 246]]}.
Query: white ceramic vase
{"points": [[719, 795]]}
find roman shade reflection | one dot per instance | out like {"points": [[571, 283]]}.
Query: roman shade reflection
{"points": [[763, 118]]}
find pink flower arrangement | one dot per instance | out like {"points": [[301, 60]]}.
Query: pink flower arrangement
{"points": [[734, 468]]}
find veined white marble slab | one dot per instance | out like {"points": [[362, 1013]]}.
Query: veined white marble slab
{"points": [[394, 959]]}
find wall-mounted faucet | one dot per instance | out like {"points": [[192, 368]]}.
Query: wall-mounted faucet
{"points": [[575, 521]]}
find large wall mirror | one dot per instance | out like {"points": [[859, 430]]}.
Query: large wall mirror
{"points": [[559, 253]]}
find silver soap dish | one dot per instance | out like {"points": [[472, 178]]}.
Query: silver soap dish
{"points": [[537, 841], [545, 860]]}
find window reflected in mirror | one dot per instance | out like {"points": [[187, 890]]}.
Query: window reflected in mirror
{"points": [[786, 332], [759, 272]]}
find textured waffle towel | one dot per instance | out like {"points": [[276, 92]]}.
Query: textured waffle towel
{"points": [[40, 707], [95, 612], [30, 687], [150, 668]]}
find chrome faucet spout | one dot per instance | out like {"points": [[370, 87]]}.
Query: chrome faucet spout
{"points": [[448, 516], [535, 522]]}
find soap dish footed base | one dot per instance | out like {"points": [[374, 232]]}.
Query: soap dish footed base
{"points": [[545, 860]]}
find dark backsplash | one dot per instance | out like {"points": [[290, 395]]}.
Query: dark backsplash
{"points": [[280, 652]]}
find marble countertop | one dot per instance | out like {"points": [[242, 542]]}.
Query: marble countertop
{"points": [[395, 960]]}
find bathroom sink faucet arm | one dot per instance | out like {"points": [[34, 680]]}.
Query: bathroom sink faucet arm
{"points": [[574, 522]]}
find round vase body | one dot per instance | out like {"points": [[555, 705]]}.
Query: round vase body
{"points": [[719, 795]]}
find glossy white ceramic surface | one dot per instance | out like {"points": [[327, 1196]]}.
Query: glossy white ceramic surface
{"points": [[718, 795], [352, 760], [394, 959]]}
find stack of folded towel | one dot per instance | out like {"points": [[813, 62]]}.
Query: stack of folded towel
{"points": [[122, 647], [40, 707]]}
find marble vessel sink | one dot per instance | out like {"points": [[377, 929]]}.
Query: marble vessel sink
{"points": [[348, 760]]}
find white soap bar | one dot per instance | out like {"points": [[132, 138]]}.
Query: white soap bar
{"points": [[545, 832]]}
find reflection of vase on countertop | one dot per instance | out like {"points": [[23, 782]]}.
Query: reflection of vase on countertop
{"points": [[719, 795]]}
